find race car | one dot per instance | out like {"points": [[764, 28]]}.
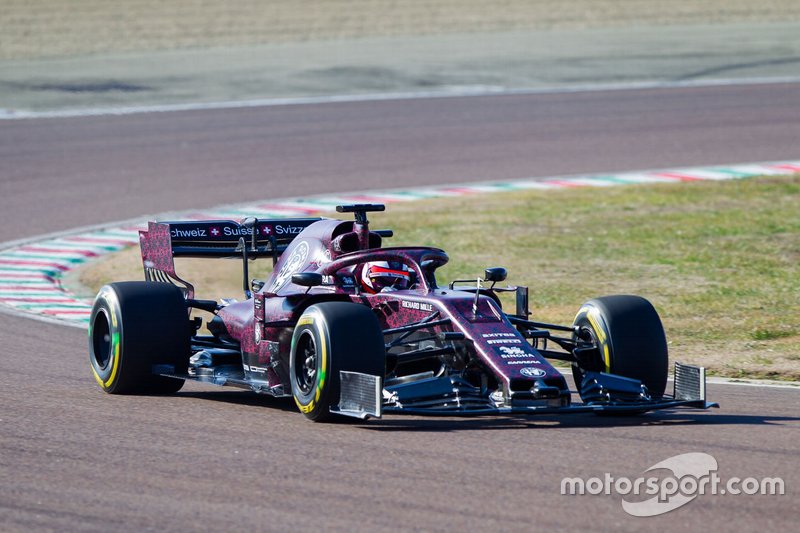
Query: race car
{"points": [[348, 327]]}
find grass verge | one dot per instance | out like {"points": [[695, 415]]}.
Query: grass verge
{"points": [[719, 260]]}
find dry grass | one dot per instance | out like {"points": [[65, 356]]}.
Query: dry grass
{"points": [[48, 28], [719, 260]]}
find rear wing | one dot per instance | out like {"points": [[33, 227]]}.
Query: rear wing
{"points": [[214, 239], [220, 238]]}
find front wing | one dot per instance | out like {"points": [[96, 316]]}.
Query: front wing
{"points": [[363, 396]]}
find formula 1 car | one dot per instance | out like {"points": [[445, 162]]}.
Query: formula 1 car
{"points": [[349, 327]]}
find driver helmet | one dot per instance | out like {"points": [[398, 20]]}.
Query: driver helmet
{"points": [[377, 276]]}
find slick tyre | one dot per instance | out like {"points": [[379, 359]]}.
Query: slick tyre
{"points": [[330, 337], [135, 325], [630, 337]]}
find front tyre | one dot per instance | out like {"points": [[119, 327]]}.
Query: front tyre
{"points": [[330, 337], [133, 326], [630, 337]]}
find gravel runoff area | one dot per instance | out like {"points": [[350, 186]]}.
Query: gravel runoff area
{"points": [[89, 55], [53, 28]]}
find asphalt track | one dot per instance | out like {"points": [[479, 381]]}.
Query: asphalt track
{"points": [[72, 458]]}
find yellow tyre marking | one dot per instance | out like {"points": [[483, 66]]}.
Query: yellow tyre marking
{"points": [[97, 377], [597, 329], [109, 297], [114, 366], [582, 310], [304, 408], [308, 320], [115, 341], [107, 383], [591, 313], [323, 373]]}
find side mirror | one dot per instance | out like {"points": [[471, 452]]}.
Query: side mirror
{"points": [[495, 274], [307, 279]]}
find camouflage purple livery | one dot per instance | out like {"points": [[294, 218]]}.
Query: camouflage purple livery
{"points": [[445, 350]]}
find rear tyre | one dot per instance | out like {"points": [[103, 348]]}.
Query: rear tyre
{"points": [[330, 337], [630, 337], [133, 326]]}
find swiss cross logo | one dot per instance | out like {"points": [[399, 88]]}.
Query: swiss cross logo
{"points": [[214, 231], [266, 230]]}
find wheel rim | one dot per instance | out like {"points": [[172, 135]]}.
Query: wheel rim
{"points": [[101, 339], [305, 367], [587, 334]]}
